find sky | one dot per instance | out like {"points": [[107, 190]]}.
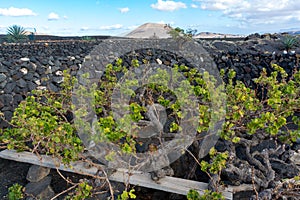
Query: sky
{"points": [[118, 17]]}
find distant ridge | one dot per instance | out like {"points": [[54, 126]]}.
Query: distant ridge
{"points": [[216, 35], [294, 32], [150, 30]]}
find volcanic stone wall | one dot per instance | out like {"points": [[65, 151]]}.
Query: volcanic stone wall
{"points": [[24, 67], [248, 58]]}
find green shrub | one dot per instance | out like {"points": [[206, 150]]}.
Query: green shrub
{"points": [[83, 191], [208, 195], [127, 195], [40, 125], [16, 33], [248, 114], [15, 192], [289, 42]]}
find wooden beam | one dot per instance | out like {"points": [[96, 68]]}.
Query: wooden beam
{"points": [[168, 184]]}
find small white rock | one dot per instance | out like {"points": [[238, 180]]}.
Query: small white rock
{"points": [[38, 82], [24, 71], [88, 57], [41, 88], [49, 70], [25, 59], [33, 66], [59, 73], [285, 52], [159, 61]]}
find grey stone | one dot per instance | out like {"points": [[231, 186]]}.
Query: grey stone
{"points": [[31, 86], [17, 99], [50, 63], [1, 104], [8, 115], [295, 158], [41, 189], [37, 173], [3, 84], [10, 86], [28, 76], [55, 68], [48, 193], [6, 99], [2, 77], [3, 69], [32, 66], [52, 87], [21, 83], [58, 79]]}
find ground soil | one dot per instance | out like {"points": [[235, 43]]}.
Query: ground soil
{"points": [[12, 172]]}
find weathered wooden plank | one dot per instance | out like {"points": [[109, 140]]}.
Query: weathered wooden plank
{"points": [[168, 184]]}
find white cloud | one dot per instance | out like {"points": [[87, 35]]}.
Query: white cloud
{"points": [[16, 12], [256, 11], [163, 22], [132, 27], [168, 5], [65, 17], [111, 27], [53, 16], [124, 10], [194, 6]]}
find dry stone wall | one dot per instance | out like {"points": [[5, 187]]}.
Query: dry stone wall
{"points": [[24, 67]]}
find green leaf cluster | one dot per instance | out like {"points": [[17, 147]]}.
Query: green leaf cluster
{"points": [[218, 162], [83, 191], [15, 192], [289, 42], [208, 195], [127, 195], [252, 111], [16, 33], [40, 125]]}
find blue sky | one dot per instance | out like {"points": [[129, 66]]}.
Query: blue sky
{"points": [[116, 17]]}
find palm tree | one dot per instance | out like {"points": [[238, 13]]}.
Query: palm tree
{"points": [[16, 33]]}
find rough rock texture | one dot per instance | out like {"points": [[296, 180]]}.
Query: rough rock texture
{"points": [[248, 58], [24, 67], [37, 173], [40, 189]]}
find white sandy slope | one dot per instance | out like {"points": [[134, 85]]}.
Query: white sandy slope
{"points": [[150, 30]]}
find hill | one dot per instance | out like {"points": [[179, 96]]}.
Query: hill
{"points": [[150, 30]]}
